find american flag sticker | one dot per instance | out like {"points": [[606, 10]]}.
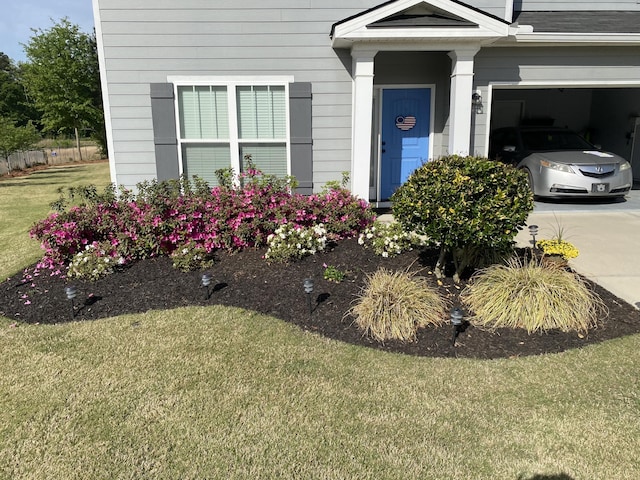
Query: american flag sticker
{"points": [[405, 122]]}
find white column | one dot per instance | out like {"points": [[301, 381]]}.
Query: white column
{"points": [[460, 102], [362, 105]]}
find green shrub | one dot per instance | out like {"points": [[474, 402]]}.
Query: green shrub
{"points": [[393, 305], [332, 274], [93, 262], [472, 207], [190, 256], [389, 239], [531, 295], [290, 242]]}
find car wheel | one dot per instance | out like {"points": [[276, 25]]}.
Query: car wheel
{"points": [[530, 182]]}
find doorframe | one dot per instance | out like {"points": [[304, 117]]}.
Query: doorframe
{"points": [[374, 184]]}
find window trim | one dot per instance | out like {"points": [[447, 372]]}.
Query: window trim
{"points": [[231, 83]]}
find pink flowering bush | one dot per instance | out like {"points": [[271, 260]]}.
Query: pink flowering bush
{"points": [[165, 216]]}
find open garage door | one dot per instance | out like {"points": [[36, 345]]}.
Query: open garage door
{"points": [[607, 117]]}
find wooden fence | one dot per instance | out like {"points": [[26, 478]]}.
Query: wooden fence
{"points": [[47, 156]]}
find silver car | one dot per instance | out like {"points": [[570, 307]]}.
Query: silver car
{"points": [[560, 163]]}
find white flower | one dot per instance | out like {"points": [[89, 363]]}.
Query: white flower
{"points": [[385, 254]]}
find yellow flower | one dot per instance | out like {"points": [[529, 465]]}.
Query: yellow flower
{"points": [[558, 247]]}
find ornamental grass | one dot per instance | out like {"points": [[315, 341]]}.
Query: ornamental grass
{"points": [[394, 305], [531, 295]]}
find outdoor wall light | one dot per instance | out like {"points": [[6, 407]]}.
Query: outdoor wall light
{"points": [[72, 292], [308, 289], [206, 281], [476, 102], [533, 231], [457, 317]]}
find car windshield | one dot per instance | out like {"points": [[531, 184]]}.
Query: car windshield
{"points": [[554, 140]]}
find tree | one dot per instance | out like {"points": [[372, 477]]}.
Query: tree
{"points": [[63, 78], [15, 138], [14, 103]]}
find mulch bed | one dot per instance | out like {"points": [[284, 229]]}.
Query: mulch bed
{"points": [[244, 279]]}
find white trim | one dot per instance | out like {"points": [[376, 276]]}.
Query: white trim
{"points": [[543, 38], [234, 142], [378, 93], [356, 29], [460, 95], [564, 83], [508, 10], [199, 80], [106, 104], [361, 122]]}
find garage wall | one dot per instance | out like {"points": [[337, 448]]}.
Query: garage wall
{"points": [[570, 108], [613, 117]]}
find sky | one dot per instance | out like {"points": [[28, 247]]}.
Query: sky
{"points": [[18, 17]]}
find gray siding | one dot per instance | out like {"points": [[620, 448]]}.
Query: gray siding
{"points": [[497, 8], [151, 40], [542, 5], [148, 40]]}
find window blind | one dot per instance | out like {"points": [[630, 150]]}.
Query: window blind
{"points": [[203, 112], [261, 112], [203, 160], [270, 158]]}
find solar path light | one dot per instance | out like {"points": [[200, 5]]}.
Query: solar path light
{"points": [[457, 316], [72, 292], [308, 289]]}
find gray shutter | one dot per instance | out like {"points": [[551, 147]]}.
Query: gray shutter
{"points": [[164, 131], [301, 141]]}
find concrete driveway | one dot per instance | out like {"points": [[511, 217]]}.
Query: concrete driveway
{"points": [[606, 234]]}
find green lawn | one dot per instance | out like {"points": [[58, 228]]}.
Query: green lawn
{"points": [[217, 392], [25, 200]]}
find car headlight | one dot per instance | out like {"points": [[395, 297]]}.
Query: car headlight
{"points": [[560, 167], [625, 166]]}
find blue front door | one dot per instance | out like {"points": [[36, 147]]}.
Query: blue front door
{"points": [[406, 114]]}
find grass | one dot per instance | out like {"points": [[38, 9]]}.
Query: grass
{"points": [[532, 295], [25, 200], [223, 393], [393, 305]]}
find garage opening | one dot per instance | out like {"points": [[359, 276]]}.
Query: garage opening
{"points": [[606, 117]]}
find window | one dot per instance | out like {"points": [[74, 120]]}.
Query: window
{"points": [[221, 122]]}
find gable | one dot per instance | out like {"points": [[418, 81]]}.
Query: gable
{"points": [[417, 20]]}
